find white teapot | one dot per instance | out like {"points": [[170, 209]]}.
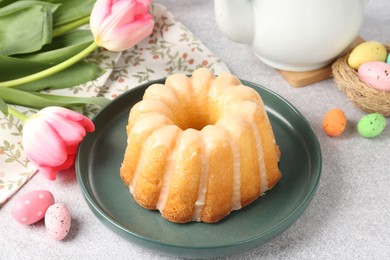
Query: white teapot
{"points": [[293, 35]]}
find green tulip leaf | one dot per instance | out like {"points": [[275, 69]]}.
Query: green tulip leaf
{"points": [[12, 68], [25, 26], [54, 57], [72, 100], [41, 100], [62, 48], [75, 75], [71, 38], [12, 6], [5, 2], [71, 10], [3, 107]]}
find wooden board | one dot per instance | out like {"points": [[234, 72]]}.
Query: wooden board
{"points": [[305, 78]]}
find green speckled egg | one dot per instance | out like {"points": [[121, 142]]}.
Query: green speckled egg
{"points": [[371, 125]]}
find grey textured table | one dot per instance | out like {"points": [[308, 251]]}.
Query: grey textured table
{"points": [[349, 215]]}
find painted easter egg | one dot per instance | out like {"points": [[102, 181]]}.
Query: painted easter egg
{"points": [[371, 125], [31, 207], [57, 221], [334, 122], [388, 58], [366, 52], [376, 74]]}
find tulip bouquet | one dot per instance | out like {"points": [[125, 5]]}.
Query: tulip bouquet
{"points": [[43, 47]]}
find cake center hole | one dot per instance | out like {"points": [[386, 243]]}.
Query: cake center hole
{"points": [[196, 119]]}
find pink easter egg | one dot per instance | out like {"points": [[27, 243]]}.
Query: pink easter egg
{"points": [[376, 74], [31, 207], [57, 221]]}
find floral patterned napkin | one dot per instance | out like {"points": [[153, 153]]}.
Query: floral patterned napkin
{"points": [[172, 48]]}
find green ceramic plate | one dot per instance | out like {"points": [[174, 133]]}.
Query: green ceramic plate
{"points": [[101, 153]]}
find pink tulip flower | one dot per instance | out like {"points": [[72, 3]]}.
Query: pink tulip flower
{"points": [[51, 138], [118, 25]]}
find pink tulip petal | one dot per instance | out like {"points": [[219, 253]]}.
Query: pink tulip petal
{"points": [[61, 111], [42, 144], [124, 25], [70, 132], [100, 11], [128, 35], [121, 9], [69, 115], [122, 12], [129, 13], [48, 172], [145, 2], [72, 149], [67, 164], [140, 9]]}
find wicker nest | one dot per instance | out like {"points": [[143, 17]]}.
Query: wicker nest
{"points": [[363, 96]]}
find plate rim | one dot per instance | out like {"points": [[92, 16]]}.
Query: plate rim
{"points": [[292, 217]]}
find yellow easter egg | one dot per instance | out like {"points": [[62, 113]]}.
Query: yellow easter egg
{"points": [[366, 52]]}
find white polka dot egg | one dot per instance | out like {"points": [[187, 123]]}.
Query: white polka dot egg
{"points": [[57, 221], [31, 207]]}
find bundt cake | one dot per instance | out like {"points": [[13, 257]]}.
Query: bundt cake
{"points": [[199, 147]]}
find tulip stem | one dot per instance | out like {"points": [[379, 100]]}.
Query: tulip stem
{"points": [[70, 26], [52, 70], [17, 114]]}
